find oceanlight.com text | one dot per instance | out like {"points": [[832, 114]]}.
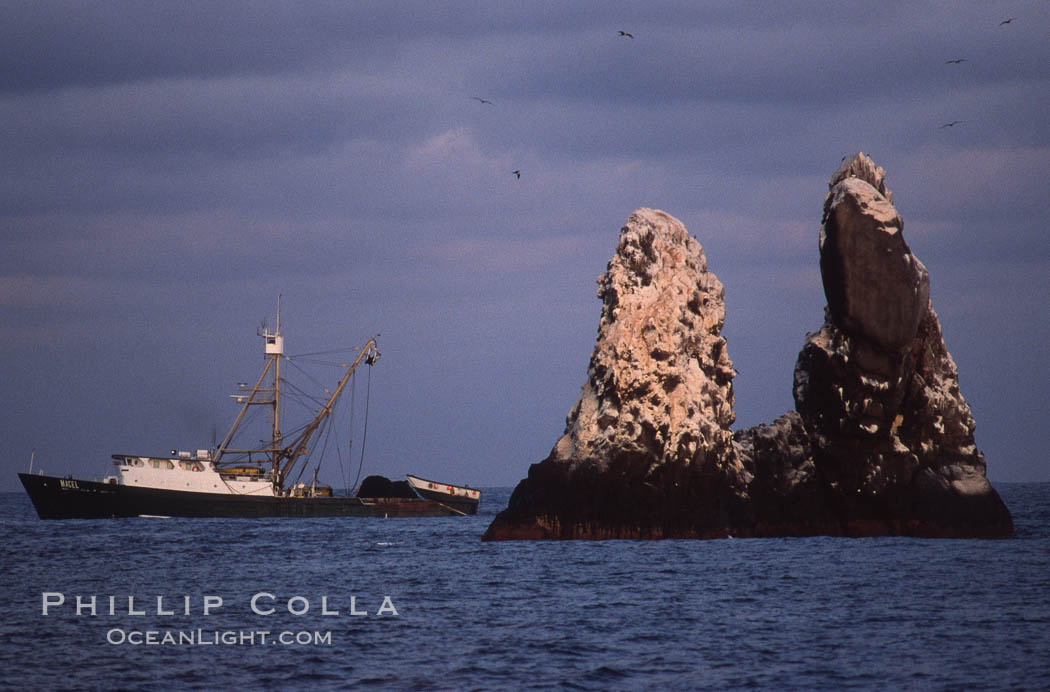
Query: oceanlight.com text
{"points": [[201, 637]]}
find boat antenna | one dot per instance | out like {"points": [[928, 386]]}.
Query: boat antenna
{"points": [[32, 455]]}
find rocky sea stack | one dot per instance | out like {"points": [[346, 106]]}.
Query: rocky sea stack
{"points": [[881, 442]]}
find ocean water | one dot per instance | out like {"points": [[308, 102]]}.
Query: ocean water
{"points": [[424, 604]]}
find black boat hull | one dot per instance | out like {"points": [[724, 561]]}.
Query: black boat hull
{"points": [[68, 498], [460, 504]]}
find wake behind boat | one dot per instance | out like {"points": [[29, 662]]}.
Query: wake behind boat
{"points": [[241, 481]]}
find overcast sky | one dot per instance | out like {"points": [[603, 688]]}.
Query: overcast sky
{"points": [[170, 168]]}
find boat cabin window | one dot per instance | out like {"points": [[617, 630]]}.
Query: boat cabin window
{"points": [[134, 462], [162, 464], [190, 466]]}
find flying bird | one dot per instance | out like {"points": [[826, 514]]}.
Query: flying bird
{"points": [[951, 124], [624, 33], [517, 173], [955, 62], [1007, 21], [481, 100]]}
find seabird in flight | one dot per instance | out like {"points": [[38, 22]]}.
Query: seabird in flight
{"points": [[1007, 21], [624, 33], [954, 62], [481, 100], [517, 173], [951, 124]]}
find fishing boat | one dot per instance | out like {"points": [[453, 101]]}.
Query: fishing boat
{"points": [[237, 480]]}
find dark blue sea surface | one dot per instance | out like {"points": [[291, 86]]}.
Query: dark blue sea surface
{"points": [[824, 613]]}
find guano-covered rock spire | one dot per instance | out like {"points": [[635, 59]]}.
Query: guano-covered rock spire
{"points": [[650, 431]]}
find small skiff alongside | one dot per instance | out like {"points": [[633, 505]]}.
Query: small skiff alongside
{"points": [[462, 498]]}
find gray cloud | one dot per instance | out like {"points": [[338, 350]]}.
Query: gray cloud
{"points": [[169, 169]]}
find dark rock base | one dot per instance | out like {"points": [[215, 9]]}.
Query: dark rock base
{"points": [[788, 496], [590, 503]]}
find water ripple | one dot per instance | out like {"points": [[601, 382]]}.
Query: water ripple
{"points": [[768, 613]]}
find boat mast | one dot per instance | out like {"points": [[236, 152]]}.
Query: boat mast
{"points": [[245, 400], [274, 351]]}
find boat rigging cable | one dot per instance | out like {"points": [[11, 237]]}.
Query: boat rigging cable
{"points": [[364, 432], [348, 488]]}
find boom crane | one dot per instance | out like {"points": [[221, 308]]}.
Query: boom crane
{"points": [[283, 457]]}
